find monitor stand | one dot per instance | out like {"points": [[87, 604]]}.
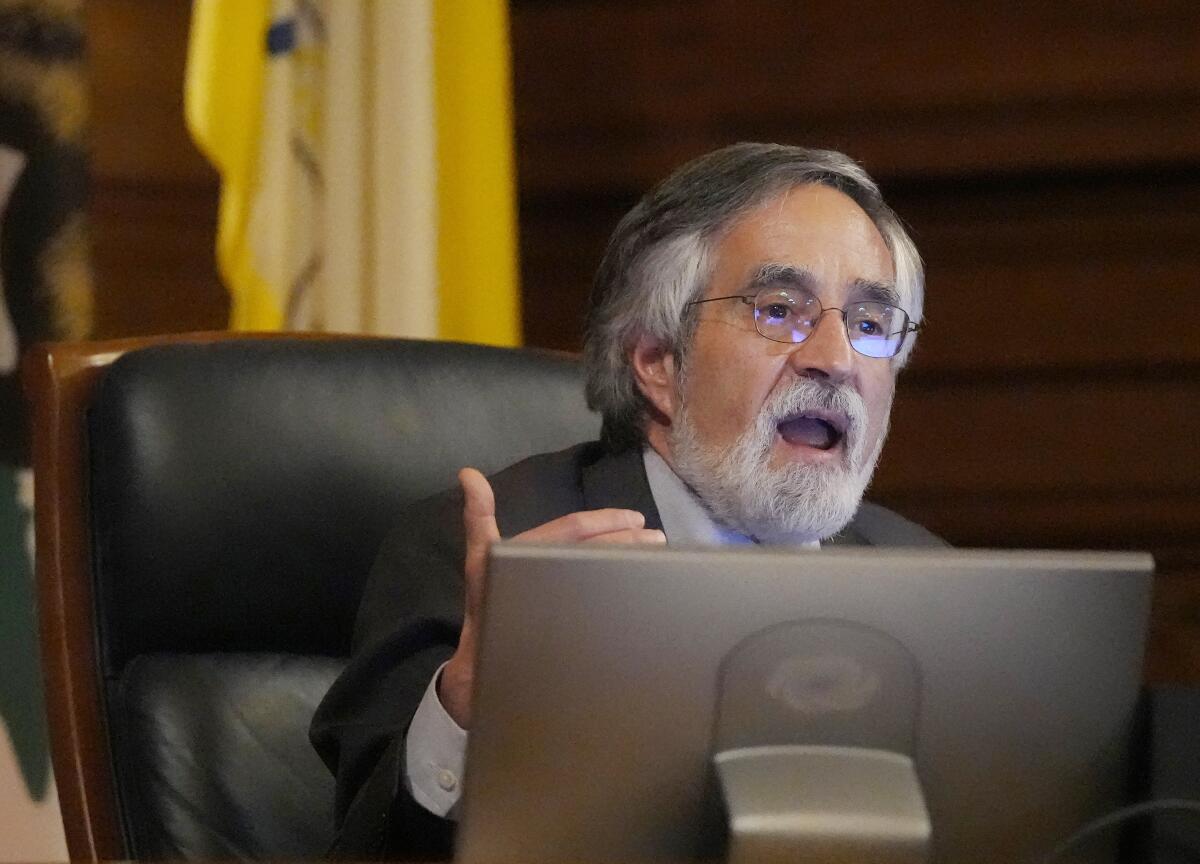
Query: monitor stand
{"points": [[790, 803], [815, 731]]}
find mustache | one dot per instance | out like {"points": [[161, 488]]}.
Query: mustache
{"points": [[814, 394]]}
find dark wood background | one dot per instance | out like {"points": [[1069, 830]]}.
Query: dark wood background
{"points": [[1046, 157]]}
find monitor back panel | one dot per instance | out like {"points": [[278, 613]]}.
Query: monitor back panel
{"points": [[598, 679]]}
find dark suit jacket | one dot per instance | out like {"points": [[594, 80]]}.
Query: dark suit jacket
{"points": [[410, 617]]}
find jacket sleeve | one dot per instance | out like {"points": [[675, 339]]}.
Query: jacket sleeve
{"points": [[408, 625]]}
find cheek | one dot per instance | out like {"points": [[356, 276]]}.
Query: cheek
{"points": [[724, 392], [877, 392]]}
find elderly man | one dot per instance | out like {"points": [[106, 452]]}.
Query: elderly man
{"points": [[746, 327]]}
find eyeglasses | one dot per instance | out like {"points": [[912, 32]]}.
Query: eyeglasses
{"points": [[790, 315]]}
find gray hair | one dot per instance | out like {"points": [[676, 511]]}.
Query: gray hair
{"points": [[659, 259]]}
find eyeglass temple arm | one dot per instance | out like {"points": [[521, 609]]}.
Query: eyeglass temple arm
{"points": [[911, 328]]}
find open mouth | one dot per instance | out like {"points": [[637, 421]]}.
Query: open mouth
{"points": [[812, 430]]}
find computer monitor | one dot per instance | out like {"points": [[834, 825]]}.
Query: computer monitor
{"points": [[991, 694]]}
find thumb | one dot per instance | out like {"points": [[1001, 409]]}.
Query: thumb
{"points": [[479, 526]]}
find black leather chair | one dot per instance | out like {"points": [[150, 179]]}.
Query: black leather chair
{"points": [[202, 541]]}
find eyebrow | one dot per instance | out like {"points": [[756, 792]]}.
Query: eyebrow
{"points": [[881, 292], [783, 274], [801, 277]]}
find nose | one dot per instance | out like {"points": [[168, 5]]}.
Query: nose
{"points": [[826, 353]]}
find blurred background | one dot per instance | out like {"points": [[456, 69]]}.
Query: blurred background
{"points": [[1046, 158]]}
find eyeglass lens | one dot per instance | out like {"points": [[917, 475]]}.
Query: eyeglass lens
{"points": [[874, 329]]}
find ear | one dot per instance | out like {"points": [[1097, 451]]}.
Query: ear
{"points": [[656, 372]]}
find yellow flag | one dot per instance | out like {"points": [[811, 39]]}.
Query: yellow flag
{"points": [[223, 105], [477, 260], [365, 151]]}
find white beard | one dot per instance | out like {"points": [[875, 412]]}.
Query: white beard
{"points": [[799, 502]]}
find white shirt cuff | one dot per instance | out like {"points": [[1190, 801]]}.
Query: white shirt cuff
{"points": [[435, 750]]}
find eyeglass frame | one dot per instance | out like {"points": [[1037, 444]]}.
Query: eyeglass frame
{"points": [[910, 326]]}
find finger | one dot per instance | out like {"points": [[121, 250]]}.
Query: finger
{"points": [[479, 526], [479, 503], [583, 525], [642, 536]]}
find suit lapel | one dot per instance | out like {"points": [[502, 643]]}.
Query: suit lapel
{"points": [[619, 480], [848, 536]]}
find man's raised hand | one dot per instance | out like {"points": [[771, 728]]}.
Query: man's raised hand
{"points": [[479, 524]]}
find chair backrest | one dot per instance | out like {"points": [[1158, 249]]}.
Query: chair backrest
{"points": [[232, 493]]}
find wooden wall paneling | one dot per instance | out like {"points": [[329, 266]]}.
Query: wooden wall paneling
{"points": [[153, 197], [153, 258], [1103, 438], [1163, 524], [1073, 272], [613, 94], [1173, 652], [561, 245], [136, 56]]}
